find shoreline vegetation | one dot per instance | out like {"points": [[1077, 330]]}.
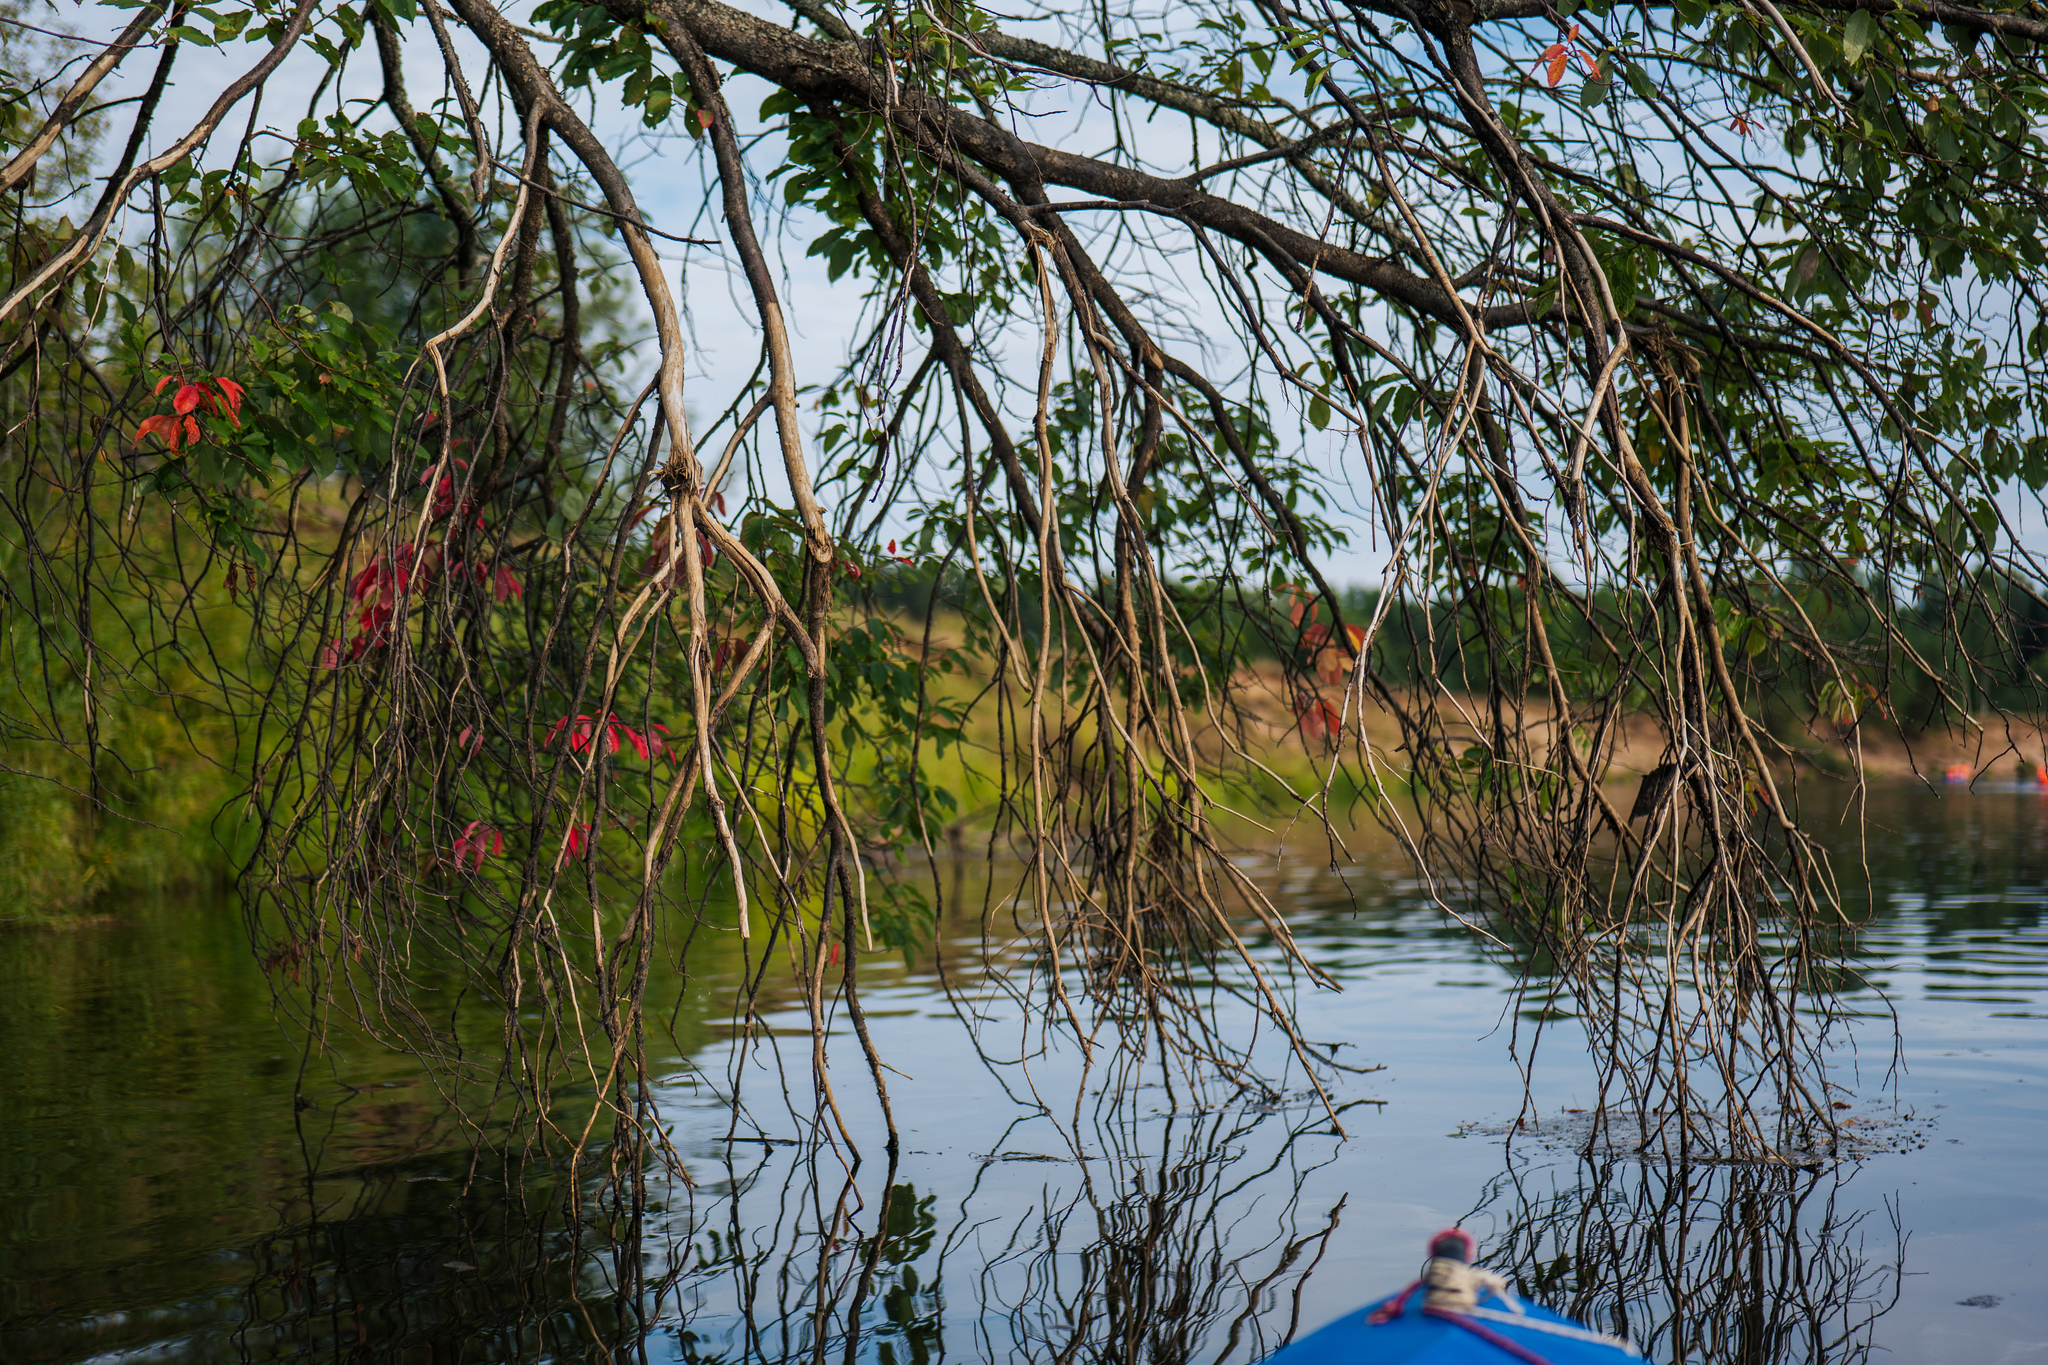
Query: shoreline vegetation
{"points": [[145, 798], [162, 820]]}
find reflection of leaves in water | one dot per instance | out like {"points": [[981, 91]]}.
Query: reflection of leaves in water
{"points": [[908, 1226], [1700, 1264]]}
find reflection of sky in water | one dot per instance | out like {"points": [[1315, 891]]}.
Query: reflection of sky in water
{"points": [[154, 1202]]}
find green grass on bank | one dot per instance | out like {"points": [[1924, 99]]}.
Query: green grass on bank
{"points": [[163, 787]]}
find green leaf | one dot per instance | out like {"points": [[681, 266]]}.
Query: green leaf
{"points": [[1858, 36], [1319, 414], [1593, 93]]}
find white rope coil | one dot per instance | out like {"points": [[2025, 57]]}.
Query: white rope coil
{"points": [[1455, 1287]]}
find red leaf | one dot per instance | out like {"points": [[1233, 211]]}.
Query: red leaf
{"points": [[164, 383], [232, 392], [506, 585], [444, 490], [163, 426], [374, 619], [330, 655], [428, 472], [191, 431], [187, 399], [476, 842], [580, 733], [578, 841]]}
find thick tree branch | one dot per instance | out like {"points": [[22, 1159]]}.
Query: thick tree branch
{"points": [[840, 73]]}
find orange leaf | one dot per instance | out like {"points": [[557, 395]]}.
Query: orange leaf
{"points": [[1357, 634], [1557, 66], [1592, 67], [1318, 718]]}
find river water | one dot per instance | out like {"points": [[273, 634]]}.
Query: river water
{"points": [[178, 1182]]}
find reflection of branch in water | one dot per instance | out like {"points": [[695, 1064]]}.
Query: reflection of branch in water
{"points": [[433, 1259], [1747, 1264], [1173, 1240], [1195, 1249]]}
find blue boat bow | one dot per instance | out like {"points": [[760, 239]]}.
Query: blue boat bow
{"points": [[1456, 1314]]}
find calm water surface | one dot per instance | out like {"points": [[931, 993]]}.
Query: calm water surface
{"points": [[176, 1183]]}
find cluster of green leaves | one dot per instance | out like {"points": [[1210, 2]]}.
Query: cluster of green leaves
{"points": [[596, 48]]}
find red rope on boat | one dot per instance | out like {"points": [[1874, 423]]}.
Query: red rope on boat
{"points": [[1391, 1309]]}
